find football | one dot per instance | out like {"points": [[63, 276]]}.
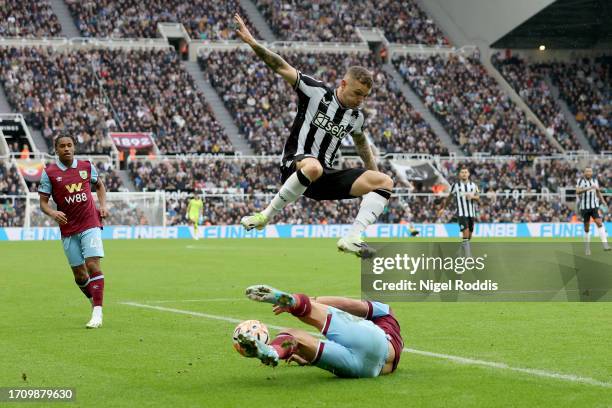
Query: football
{"points": [[253, 327]]}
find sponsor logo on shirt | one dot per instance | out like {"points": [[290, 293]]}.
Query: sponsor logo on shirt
{"points": [[324, 122]]}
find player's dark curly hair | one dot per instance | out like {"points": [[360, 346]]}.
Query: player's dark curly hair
{"points": [[56, 141]]}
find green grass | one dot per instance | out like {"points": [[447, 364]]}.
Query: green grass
{"points": [[144, 357]]}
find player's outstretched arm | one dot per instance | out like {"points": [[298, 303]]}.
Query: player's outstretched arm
{"points": [[273, 60], [365, 151]]}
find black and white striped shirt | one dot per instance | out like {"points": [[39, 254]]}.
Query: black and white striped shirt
{"points": [[321, 122], [465, 206], [588, 200]]}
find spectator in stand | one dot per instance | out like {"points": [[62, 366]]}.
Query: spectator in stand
{"points": [[529, 81], [88, 93], [327, 20], [585, 86], [12, 209], [28, 18], [203, 19], [470, 105]]}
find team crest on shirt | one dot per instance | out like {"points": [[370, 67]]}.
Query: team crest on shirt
{"points": [[58, 179], [83, 174]]}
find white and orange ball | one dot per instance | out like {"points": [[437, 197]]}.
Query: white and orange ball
{"points": [[254, 328]]}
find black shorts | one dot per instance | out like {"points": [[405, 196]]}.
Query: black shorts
{"points": [[332, 185], [590, 213], [466, 223]]}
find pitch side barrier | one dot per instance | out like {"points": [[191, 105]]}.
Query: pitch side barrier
{"points": [[389, 231]]}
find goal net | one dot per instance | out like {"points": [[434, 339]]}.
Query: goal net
{"points": [[129, 208]]}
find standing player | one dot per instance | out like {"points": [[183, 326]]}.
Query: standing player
{"points": [[194, 211], [363, 338], [325, 116], [589, 200], [465, 194], [68, 181]]}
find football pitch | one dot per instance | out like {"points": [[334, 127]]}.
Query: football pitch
{"points": [[171, 307]]}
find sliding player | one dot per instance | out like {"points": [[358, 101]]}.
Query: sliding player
{"points": [[68, 181], [194, 212], [589, 200], [465, 194], [325, 116], [363, 338]]}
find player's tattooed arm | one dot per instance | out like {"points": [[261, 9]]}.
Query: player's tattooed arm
{"points": [[271, 59], [365, 151]]}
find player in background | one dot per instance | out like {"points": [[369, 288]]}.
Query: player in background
{"points": [[68, 181], [465, 194], [194, 212], [325, 116], [363, 338], [589, 200]]}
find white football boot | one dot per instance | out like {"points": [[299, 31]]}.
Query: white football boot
{"points": [[355, 245], [96, 318]]}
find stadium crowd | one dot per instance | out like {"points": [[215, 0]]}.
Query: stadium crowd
{"points": [[264, 106], [28, 18], [151, 92], [203, 19], [57, 94], [12, 208], [529, 81], [244, 176], [239, 187], [89, 93], [329, 20], [401, 210], [585, 86], [470, 105]]}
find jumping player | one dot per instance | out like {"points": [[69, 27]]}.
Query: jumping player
{"points": [[194, 211], [325, 116], [465, 194], [363, 338], [68, 181], [589, 200]]}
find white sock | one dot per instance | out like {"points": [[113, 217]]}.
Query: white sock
{"points": [[97, 311], [372, 205], [602, 234], [467, 250], [587, 237], [293, 188]]}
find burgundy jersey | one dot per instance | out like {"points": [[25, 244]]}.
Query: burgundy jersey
{"points": [[71, 190], [391, 327]]}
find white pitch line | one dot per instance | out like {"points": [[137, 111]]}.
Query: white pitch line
{"points": [[197, 300], [448, 357]]}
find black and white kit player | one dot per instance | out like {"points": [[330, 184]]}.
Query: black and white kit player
{"points": [[325, 116], [465, 193], [590, 199]]}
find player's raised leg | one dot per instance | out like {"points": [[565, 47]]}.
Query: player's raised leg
{"points": [[375, 188], [308, 170]]}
